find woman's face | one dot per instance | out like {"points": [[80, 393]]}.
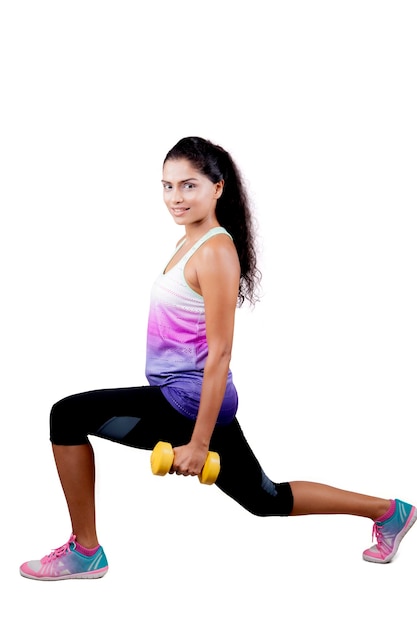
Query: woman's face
{"points": [[190, 196]]}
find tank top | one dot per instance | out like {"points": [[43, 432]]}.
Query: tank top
{"points": [[177, 347]]}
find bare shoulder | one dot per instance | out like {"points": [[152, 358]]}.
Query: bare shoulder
{"points": [[219, 249], [215, 267]]}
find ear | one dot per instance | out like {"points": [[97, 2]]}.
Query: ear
{"points": [[218, 189]]}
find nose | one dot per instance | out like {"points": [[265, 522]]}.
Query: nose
{"points": [[176, 195]]}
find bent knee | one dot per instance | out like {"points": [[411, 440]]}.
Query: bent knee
{"points": [[65, 422], [277, 500]]}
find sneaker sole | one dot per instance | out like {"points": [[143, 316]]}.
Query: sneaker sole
{"points": [[99, 573], [409, 523]]}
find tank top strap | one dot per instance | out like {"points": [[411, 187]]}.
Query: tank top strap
{"points": [[218, 230]]}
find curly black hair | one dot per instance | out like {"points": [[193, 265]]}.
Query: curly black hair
{"points": [[233, 208]]}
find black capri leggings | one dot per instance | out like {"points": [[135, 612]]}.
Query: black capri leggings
{"points": [[141, 416]]}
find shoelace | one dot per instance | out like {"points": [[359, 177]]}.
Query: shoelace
{"points": [[376, 533], [57, 552], [379, 536]]}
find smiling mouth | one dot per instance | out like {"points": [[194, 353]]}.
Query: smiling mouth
{"points": [[178, 210]]}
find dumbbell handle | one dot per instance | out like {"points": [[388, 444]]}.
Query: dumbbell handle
{"points": [[162, 458]]}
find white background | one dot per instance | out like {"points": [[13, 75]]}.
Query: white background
{"points": [[317, 103]]}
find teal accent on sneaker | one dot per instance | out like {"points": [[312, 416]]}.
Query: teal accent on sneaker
{"points": [[66, 562], [390, 532]]}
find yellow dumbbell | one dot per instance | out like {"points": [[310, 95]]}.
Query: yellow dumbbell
{"points": [[162, 458]]}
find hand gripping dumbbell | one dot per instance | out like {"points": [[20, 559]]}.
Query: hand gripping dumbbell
{"points": [[162, 458]]}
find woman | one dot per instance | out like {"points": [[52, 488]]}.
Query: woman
{"points": [[191, 400]]}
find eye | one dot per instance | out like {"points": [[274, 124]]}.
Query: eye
{"points": [[166, 186], [189, 185]]}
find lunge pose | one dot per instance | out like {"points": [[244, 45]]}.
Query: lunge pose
{"points": [[191, 401]]}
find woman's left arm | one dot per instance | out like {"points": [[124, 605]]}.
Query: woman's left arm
{"points": [[218, 275]]}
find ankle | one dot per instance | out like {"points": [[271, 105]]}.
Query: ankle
{"points": [[86, 551], [87, 541], [384, 510]]}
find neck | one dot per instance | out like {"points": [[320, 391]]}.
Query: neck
{"points": [[193, 232]]}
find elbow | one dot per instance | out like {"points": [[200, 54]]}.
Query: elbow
{"points": [[221, 357], [227, 355]]}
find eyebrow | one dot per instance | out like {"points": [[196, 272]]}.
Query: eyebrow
{"points": [[181, 181]]}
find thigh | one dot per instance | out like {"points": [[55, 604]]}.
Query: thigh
{"points": [[240, 469], [134, 416], [242, 477]]}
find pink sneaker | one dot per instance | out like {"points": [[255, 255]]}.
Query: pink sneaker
{"points": [[389, 530], [66, 562]]}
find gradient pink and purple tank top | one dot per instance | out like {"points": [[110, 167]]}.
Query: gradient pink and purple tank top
{"points": [[176, 341]]}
